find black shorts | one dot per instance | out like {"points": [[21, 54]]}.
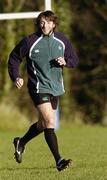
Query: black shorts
{"points": [[40, 98]]}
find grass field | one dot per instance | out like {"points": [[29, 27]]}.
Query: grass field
{"points": [[86, 145]]}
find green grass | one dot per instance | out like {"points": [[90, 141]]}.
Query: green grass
{"points": [[86, 145]]}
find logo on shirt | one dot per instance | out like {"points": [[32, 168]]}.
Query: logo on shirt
{"points": [[59, 47], [37, 51], [45, 98]]}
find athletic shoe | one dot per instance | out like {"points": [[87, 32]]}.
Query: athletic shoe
{"points": [[63, 164], [19, 149]]}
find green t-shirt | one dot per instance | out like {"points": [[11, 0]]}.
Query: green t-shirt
{"points": [[47, 71]]}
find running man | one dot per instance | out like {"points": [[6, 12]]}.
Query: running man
{"points": [[46, 52]]}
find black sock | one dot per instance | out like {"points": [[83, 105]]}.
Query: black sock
{"points": [[31, 133], [51, 140]]}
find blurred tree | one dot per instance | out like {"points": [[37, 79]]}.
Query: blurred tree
{"points": [[89, 84]]}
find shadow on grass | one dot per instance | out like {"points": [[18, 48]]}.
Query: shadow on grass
{"points": [[27, 168]]}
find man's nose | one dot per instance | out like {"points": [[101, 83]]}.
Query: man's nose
{"points": [[45, 24]]}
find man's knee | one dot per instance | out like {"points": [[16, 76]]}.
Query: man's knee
{"points": [[46, 124], [49, 123]]}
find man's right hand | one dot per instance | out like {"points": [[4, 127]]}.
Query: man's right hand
{"points": [[19, 83]]}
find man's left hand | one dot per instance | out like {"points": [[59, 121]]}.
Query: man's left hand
{"points": [[61, 61]]}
